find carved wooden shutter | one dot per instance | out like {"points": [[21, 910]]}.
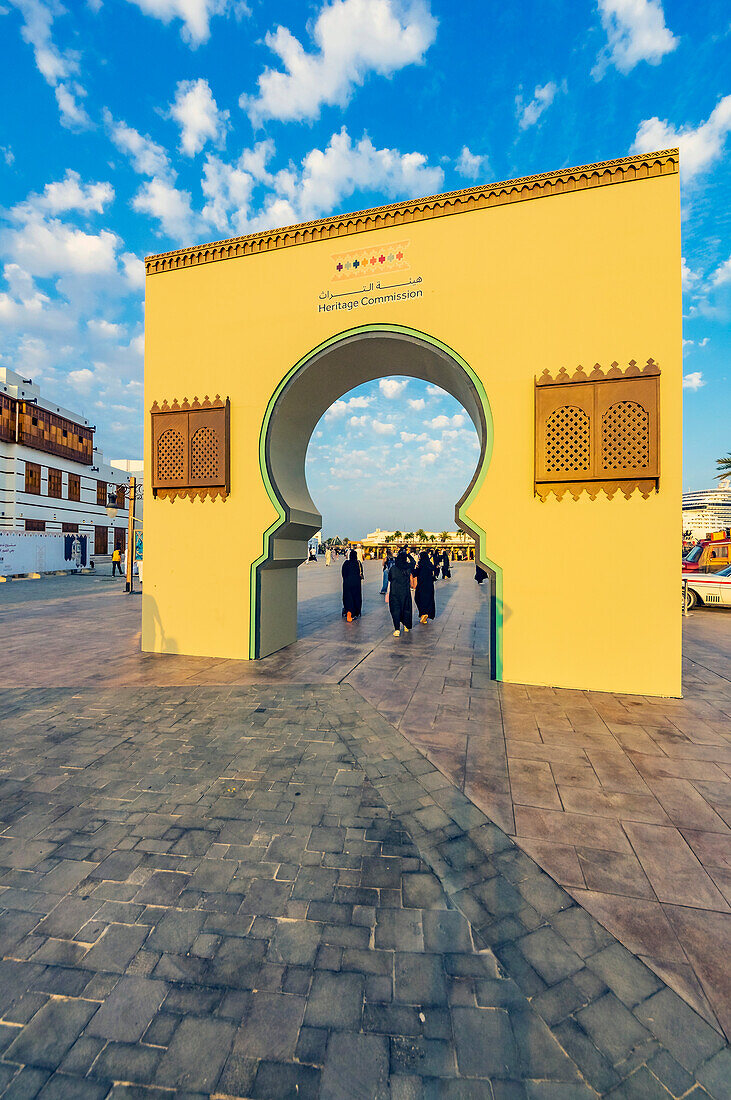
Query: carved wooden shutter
{"points": [[190, 448]]}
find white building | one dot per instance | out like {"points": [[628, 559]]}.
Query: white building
{"points": [[52, 477], [378, 537], [707, 510]]}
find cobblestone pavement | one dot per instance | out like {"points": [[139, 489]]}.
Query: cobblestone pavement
{"points": [[624, 801], [267, 892]]}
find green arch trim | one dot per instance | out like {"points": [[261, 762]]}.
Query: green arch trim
{"points": [[462, 511]]}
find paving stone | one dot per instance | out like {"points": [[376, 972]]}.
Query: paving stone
{"points": [[175, 932], [196, 1054], [549, 955], [485, 1042], [64, 1087], [446, 930], [356, 1066], [399, 929], [629, 978], [419, 979], [282, 1081], [51, 1033], [127, 1012], [271, 1026], [116, 948], [687, 1037], [422, 1057], [612, 1028], [127, 1062], [335, 1000]]}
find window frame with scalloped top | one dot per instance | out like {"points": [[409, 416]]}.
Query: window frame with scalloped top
{"points": [[629, 400], [204, 466]]}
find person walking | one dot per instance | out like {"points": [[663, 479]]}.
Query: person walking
{"points": [[116, 561], [328, 556], [446, 571], [424, 594], [398, 596], [480, 574], [437, 560], [352, 588], [387, 563]]}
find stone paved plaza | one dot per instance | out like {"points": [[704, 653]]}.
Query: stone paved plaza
{"points": [[309, 876]]}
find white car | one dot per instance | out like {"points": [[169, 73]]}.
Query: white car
{"points": [[708, 588]]}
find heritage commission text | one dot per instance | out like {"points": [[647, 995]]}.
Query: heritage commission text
{"points": [[326, 307]]}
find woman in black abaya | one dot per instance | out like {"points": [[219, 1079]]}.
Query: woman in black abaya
{"points": [[424, 594], [437, 560], [398, 596], [352, 591]]}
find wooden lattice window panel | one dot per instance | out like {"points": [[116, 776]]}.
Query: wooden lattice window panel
{"points": [[626, 436], [169, 457], [190, 448], [203, 454], [598, 431], [568, 445]]}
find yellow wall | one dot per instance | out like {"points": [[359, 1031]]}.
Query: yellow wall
{"points": [[591, 588]]}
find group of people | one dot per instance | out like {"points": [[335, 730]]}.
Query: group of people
{"points": [[401, 575]]}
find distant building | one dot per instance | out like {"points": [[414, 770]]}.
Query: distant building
{"points": [[52, 477], [707, 509], [379, 537]]}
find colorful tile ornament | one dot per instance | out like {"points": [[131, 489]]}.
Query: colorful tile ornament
{"points": [[360, 261]]}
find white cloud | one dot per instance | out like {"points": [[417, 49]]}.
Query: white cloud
{"points": [[635, 32], [69, 194], [416, 403], [722, 274], [391, 387], [171, 207], [335, 173], [199, 118], [429, 458], [145, 155], [195, 15], [81, 379], [699, 147], [341, 408], [688, 278], [134, 269], [470, 164], [380, 427], [352, 38], [7, 154], [443, 421], [50, 247], [436, 391], [55, 66], [106, 330], [529, 113], [412, 437], [358, 421], [693, 381]]}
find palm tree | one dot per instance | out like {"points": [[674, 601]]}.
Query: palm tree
{"points": [[443, 536], [397, 535], [421, 535], [724, 466], [409, 536]]}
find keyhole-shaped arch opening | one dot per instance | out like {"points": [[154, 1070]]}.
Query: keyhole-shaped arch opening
{"points": [[309, 389]]}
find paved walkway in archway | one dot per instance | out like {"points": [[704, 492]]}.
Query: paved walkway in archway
{"points": [[612, 1018]]}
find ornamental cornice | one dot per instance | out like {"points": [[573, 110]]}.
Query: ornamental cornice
{"points": [[581, 178]]}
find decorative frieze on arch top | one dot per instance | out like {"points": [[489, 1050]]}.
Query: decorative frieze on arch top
{"points": [[626, 169]]}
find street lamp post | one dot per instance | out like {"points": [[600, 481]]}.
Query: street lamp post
{"points": [[129, 585]]}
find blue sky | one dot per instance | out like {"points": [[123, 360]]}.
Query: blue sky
{"points": [[135, 126]]}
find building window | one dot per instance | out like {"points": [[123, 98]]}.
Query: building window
{"points": [[121, 495], [190, 448], [101, 493], [33, 478], [54, 483], [101, 540], [35, 525], [75, 487], [70, 528]]}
